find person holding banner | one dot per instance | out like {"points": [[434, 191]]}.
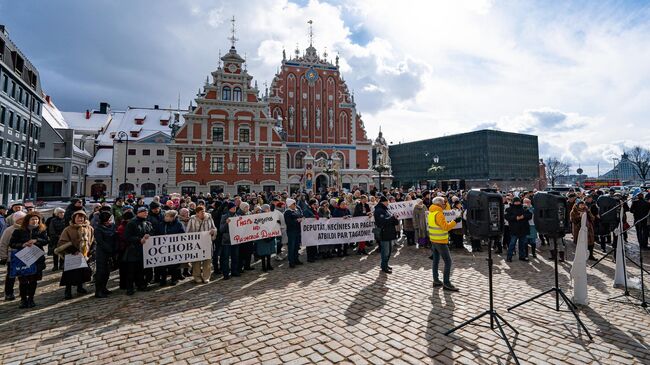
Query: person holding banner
{"points": [[170, 225], [15, 221], [439, 235], [342, 211], [31, 232], [293, 217], [246, 249], [360, 209], [202, 222], [137, 232], [312, 212], [264, 248], [386, 223], [76, 239]]}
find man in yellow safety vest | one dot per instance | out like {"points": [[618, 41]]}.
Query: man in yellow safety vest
{"points": [[439, 236]]}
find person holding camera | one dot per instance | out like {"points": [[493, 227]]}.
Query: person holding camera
{"points": [[439, 236]]}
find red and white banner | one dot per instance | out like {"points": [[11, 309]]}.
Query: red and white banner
{"points": [[253, 227]]}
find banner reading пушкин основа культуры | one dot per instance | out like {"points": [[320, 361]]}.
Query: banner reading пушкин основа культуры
{"points": [[177, 248], [336, 230]]}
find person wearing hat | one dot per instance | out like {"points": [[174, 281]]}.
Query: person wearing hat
{"points": [[386, 222], [15, 207], [311, 212], [292, 217], [55, 227], [117, 210], [31, 232], [229, 258], [106, 239], [518, 217], [156, 217], [75, 205], [137, 231], [14, 221], [170, 225], [76, 239], [579, 208], [202, 222], [265, 247]]}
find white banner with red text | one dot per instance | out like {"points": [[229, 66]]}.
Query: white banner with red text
{"points": [[253, 227], [336, 230], [402, 210]]}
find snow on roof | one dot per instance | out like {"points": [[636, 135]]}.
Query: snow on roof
{"points": [[105, 156], [78, 121], [53, 116], [125, 121], [81, 151]]}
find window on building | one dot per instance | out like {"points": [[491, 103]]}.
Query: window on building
{"points": [[269, 165], [22, 153], [225, 93], [75, 170], [300, 162], [130, 170], [18, 120], [9, 149], [244, 135], [160, 170], [13, 89], [3, 114], [25, 122], [50, 169], [244, 164], [2, 145], [11, 119], [217, 134], [145, 170], [146, 152], [189, 164], [160, 152], [131, 152], [236, 94], [216, 164], [16, 151], [5, 83]]}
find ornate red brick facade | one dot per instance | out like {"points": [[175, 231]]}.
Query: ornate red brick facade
{"points": [[228, 142], [319, 118]]}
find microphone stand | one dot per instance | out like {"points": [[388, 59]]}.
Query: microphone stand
{"points": [[494, 316], [613, 250], [558, 293]]}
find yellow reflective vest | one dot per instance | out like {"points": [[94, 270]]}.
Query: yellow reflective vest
{"points": [[438, 225]]}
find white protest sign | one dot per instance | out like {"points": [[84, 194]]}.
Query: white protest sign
{"points": [[73, 262], [450, 215], [177, 248], [336, 230], [402, 210], [253, 227], [29, 255]]}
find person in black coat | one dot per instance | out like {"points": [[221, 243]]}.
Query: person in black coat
{"points": [[311, 212], [386, 223], [342, 211], [106, 239], [362, 208], [155, 217], [55, 227], [640, 209], [292, 218], [229, 255], [32, 232], [170, 225], [518, 216], [217, 211], [75, 205], [137, 232]]}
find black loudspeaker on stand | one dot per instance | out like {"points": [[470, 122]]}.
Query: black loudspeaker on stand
{"points": [[485, 221], [551, 219]]}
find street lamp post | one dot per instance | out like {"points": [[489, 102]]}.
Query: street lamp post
{"points": [[329, 171], [380, 167], [379, 170], [121, 135]]}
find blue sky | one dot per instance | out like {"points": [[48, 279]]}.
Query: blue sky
{"points": [[574, 73]]}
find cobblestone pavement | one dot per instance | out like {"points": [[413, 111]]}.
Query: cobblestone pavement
{"points": [[340, 310]]}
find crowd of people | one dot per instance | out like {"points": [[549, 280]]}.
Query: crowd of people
{"points": [[110, 237]]}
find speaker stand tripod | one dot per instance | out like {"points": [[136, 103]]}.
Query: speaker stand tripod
{"points": [[558, 294], [494, 316]]}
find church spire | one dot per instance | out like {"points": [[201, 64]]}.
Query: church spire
{"points": [[311, 32]]}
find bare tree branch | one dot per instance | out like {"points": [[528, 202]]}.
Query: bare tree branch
{"points": [[640, 157], [556, 168]]}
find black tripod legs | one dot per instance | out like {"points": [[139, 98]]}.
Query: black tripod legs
{"points": [[494, 318], [531, 299], [573, 310]]}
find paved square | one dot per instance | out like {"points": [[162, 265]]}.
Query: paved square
{"points": [[334, 311]]}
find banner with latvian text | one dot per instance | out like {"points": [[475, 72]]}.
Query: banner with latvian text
{"points": [[177, 248], [253, 227], [336, 230]]}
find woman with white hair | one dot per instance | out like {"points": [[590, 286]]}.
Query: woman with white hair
{"points": [[246, 249], [55, 227]]}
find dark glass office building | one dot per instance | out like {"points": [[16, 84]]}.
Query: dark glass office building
{"points": [[20, 122], [468, 160]]}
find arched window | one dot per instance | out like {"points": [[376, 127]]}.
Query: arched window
{"points": [[236, 94], [341, 158], [320, 155], [75, 170], [225, 93], [288, 160], [300, 160]]}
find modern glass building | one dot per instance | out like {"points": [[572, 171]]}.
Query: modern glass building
{"points": [[474, 159]]}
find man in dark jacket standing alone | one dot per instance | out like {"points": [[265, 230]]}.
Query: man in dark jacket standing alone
{"points": [[640, 209], [229, 255], [518, 217], [386, 222]]}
